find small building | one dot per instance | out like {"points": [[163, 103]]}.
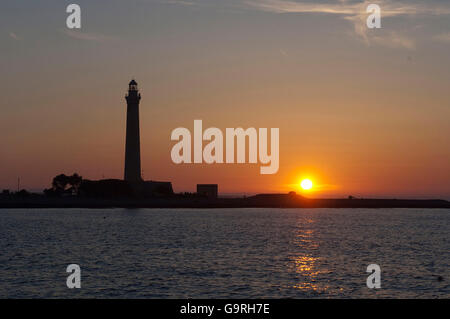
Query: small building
{"points": [[208, 190]]}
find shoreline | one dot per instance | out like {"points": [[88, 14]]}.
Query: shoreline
{"points": [[258, 201]]}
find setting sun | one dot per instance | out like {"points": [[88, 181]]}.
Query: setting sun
{"points": [[306, 184]]}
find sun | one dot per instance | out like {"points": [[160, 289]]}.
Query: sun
{"points": [[306, 184]]}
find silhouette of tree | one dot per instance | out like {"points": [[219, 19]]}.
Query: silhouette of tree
{"points": [[63, 184], [59, 183], [75, 181]]}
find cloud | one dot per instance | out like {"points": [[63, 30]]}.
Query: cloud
{"points": [[394, 40], [444, 37], [389, 7], [87, 36], [355, 12], [14, 36], [182, 2]]}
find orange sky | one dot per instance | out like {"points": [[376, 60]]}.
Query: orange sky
{"points": [[358, 119]]}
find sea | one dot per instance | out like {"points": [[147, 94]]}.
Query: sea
{"points": [[225, 253]]}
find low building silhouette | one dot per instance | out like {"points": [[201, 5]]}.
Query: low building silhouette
{"points": [[116, 188], [208, 190]]}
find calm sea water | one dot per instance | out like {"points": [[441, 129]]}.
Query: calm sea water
{"points": [[225, 253]]}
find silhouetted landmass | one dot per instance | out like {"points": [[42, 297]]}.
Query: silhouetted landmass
{"points": [[193, 201], [67, 186], [75, 192]]}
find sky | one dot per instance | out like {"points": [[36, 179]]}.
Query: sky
{"points": [[362, 112]]}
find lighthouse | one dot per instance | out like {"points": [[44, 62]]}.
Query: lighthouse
{"points": [[132, 143]]}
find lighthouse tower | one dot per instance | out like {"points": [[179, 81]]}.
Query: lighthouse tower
{"points": [[132, 144]]}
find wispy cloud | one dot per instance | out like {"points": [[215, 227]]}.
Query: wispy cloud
{"points": [[394, 39], [182, 2], [87, 36], [444, 37], [355, 12], [389, 7], [14, 36]]}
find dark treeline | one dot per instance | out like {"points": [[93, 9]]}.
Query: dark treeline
{"points": [[75, 186]]}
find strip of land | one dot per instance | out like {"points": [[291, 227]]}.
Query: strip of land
{"points": [[258, 201]]}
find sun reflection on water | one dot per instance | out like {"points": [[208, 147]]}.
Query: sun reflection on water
{"points": [[305, 263]]}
